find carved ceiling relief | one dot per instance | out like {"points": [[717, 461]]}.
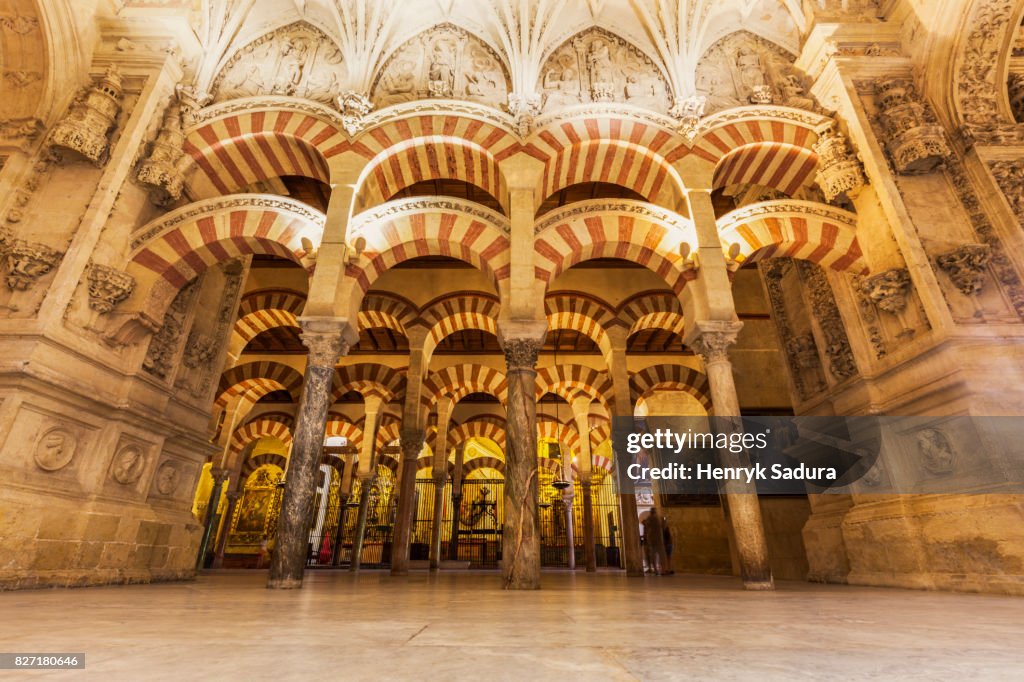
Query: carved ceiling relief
{"points": [[743, 69], [598, 66], [443, 62], [295, 61]]}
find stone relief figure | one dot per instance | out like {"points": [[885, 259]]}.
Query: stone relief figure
{"points": [[55, 449], [444, 61], [597, 66], [751, 76], [937, 454], [293, 61], [128, 466]]}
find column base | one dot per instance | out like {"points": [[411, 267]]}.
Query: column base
{"points": [[759, 585], [399, 572], [521, 584], [284, 584]]}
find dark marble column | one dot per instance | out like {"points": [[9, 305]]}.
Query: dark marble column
{"points": [[743, 506], [222, 539], [289, 559], [453, 543], [520, 556], [589, 552], [412, 446], [339, 532], [570, 533], [365, 483], [440, 478], [220, 476]]}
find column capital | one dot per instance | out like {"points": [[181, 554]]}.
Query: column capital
{"points": [[711, 339], [327, 339], [521, 354], [220, 475], [233, 495], [440, 478], [412, 443]]}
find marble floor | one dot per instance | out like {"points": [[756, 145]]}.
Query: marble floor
{"points": [[459, 625]]}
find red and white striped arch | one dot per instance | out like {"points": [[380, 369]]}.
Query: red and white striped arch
{"points": [[387, 430], [670, 378], [556, 430], [181, 245], [251, 381], [458, 312], [781, 166], [458, 381], [630, 230], [369, 380], [263, 310], [737, 128], [253, 463], [382, 310], [406, 122], [570, 381], [489, 428], [435, 157], [234, 151], [411, 228], [794, 229], [582, 313], [254, 431], [345, 429], [485, 462], [652, 310]]}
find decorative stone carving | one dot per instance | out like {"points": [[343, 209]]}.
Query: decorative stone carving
{"points": [[295, 61], [937, 455], [86, 127], [163, 347], [128, 465], [713, 344], [839, 171], [525, 108], [167, 478], [804, 351], [446, 62], [108, 287], [743, 69], [521, 354], [354, 106], [688, 111], [411, 442], [16, 132], [324, 347], [18, 24], [191, 101], [161, 169], [599, 66], [48, 158], [914, 140], [888, 290], [55, 449], [1010, 177], [199, 351], [825, 310], [25, 262], [966, 267], [1015, 86]]}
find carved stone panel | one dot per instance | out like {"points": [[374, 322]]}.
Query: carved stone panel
{"points": [[913, 137], [55, 448], [86, 127], [444, 62], [743, 69], [164, 346], [296, 61], [598, 66]]}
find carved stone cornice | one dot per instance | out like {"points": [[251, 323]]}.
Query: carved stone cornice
{"points": [[354, 107], [25, 262], [713, 338], [370, 219], [966, 267], [888, 290], [688, 112], [977, 86], [524, 108], [595, 206], [108, 287], [1009, 176], [521, 354], [86, 127], [915, 141]]}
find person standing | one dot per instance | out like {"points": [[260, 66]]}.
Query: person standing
{"points": [[655, 541]]}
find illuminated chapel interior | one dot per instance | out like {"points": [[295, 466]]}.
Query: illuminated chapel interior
{"points": [[361, 284]]}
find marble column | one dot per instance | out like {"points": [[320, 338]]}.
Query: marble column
{"points": [[581, 414], [570, 534], [366, 479], [344, 494], [326, 345], [453, 543], [220, 476], [744, 508], [412, 446], [520, 557], [440, 478], [225, 531], [589, 550]]}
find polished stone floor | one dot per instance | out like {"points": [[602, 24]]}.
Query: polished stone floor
{"points": [[459, 625]]}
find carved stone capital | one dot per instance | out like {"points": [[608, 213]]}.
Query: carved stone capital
{"points": [[839, 171], [966, 267], [160, 170], [521, 354], [411, 441], [915, 141], [86, 127], [108, 287], [440, 478], [887, 290], [25, 262], [525, 107], [220, 475], [325, 340], [713, 339]]}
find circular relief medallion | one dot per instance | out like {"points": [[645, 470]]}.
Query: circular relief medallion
{"points": [[167, 478], [55, 449], [128, 465]]}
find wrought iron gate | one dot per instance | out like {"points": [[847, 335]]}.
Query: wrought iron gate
{"points": [[481, 515]]}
